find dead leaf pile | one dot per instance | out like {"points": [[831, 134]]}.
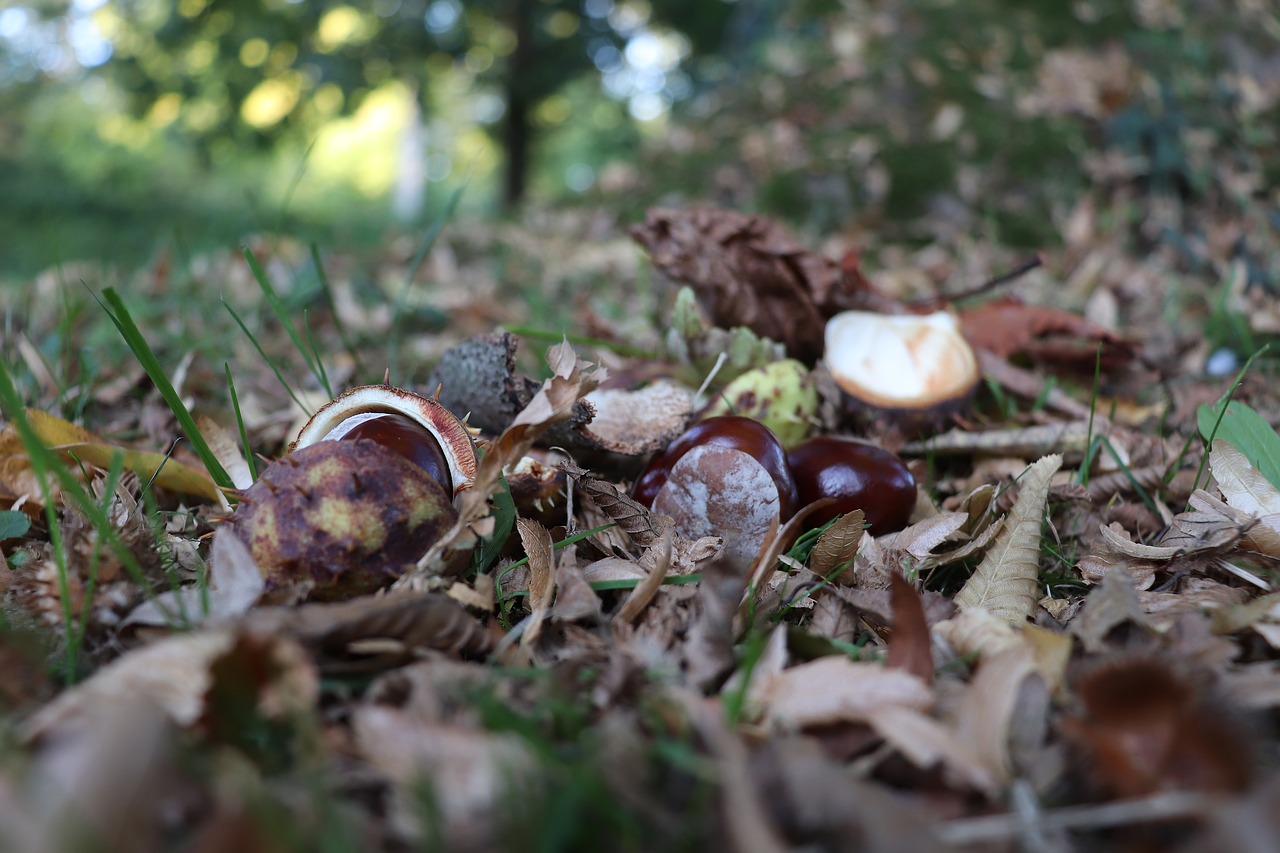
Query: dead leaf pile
{"points": [[1075, 637]]}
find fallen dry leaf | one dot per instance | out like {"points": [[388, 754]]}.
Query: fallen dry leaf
{"points": [[1008, 326], [1005, 582], [747, 272], [235, 584]]}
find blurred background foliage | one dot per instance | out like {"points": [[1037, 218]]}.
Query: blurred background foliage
{"points": [[127, 125]]}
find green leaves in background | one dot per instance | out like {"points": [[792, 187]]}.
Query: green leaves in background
{"points": [[1246, 431]]}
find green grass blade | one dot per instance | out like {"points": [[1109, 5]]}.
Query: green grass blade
{"points": [[265, 358], [1203, 420], [244, 433], [315, 351], [343, 334], [120, 316], [46, 464], [428, 242], [282, 314]]}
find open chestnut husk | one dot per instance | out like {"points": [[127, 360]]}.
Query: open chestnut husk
{"points": [[338, 519], [388, 415], [917, 369], [364, 491]]}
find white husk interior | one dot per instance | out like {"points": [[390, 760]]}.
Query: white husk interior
{"points": [[899, 360]]}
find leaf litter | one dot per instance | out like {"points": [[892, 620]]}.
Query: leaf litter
{"points": [[1067, 639]]}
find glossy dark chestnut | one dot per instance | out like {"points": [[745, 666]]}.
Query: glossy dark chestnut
{"points": [[733, 431], [859, 476], [403, 435]]}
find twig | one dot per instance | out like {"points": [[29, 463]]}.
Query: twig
{"points": [[990, 284], [1171, 804]]}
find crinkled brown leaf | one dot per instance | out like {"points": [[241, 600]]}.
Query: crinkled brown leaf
{"points": [[1210, 525], [838, 544], [1119, 540], [542, 580], [747, 272], [1006, 581], [637, 521], [1008, 326], [235, 584], [1110, 605], [375, 632], [910, 644], [178, 673]]}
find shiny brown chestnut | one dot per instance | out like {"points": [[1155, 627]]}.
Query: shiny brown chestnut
{"points": [[401, 434], [859, 476], [729, 431]]}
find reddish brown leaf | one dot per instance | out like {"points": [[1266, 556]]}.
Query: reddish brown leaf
{"points": [[1008, 326], [910, 646]]}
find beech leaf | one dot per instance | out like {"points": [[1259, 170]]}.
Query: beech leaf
{"points": [[1243, 485], [538, 545], [838, 544], [1006, 581]]}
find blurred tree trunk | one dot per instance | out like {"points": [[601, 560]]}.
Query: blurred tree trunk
{"points": [[517, 129]]}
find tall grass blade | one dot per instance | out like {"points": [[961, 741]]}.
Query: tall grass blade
{"points": [[338, 322], [428, 242], [244, 433], [282, 315], [46, 466], [119, 315], [266, 358]]}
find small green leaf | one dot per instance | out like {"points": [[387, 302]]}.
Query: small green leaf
{"points": [[13, 524], [1246, 431], [504, 511]]}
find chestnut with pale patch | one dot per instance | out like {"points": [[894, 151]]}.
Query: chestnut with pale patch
{"points": [[720, 491], [339, 519], [906, 363]]}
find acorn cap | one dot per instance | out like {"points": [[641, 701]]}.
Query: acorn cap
{"points": [[451, 433], [900, 361]]}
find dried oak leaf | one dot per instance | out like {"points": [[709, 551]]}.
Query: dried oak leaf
{"points": [[748, 272], [1008, 326]]}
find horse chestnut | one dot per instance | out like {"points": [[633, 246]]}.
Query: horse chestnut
{"points": [[729, 431], [859, 476], [401, 434]]}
